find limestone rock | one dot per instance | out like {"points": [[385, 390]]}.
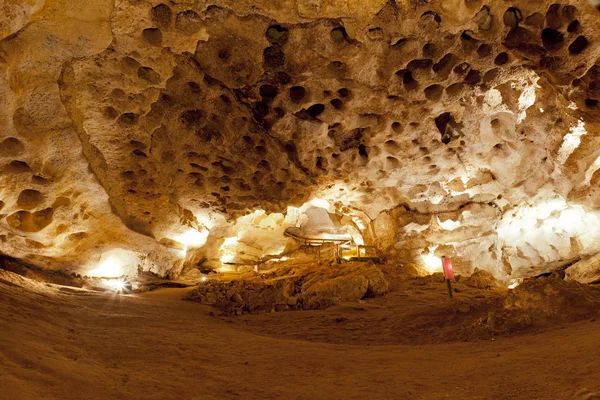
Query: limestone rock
{"points": [[347, 284], [252, 297], [543, 302], [480, 279], [177, 134], [552, 297], [584, 271], [308, 289], [586, 394]]}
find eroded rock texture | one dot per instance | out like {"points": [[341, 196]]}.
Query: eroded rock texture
{"points": [[458, 127]]}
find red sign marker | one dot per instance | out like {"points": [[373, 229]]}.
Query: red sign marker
{"points": [[447, 266], [448, 273]]}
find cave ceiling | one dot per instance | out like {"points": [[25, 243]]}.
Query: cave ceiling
{"points": [[460, 124]]}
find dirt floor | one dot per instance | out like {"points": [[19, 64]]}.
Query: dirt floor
{"points": [[66, 343]]}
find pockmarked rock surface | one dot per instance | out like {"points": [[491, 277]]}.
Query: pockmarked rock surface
{"points": [[151, 136]]}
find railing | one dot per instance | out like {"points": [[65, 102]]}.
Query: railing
{"points": [[363, 252]]}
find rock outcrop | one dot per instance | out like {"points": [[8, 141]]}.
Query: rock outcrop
{"points": [[584, 271], [307, 288], [545, 301]]}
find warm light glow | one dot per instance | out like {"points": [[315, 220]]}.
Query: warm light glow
{"points": [[107, 268], [116, 284], [571, 141], [274, 260], [547, 230], [227, 253], [227, 257], [527, 98], [448, 224], [207, 220], [191, 238], [590, 172], [292, 217], [435, 198], [203, 279], [431, 261], [261, 235], [517, 225], [321, 203], [358, 223], [113, 264], [225, 268], [514, 283], [230, 241]]}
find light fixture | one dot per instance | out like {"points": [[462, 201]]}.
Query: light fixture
{"points": [[118, 285]]}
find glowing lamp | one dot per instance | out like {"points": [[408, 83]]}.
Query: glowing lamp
{"points": [[119, 285], [447, 268]]}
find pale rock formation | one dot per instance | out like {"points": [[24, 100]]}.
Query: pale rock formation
{"points": [[585, 271], [149, 133]]}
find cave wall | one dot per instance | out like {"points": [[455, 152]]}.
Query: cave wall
{"points": [[440, 127]]}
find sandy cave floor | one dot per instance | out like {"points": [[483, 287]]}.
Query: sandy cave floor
{"points": [[65, 343]]}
